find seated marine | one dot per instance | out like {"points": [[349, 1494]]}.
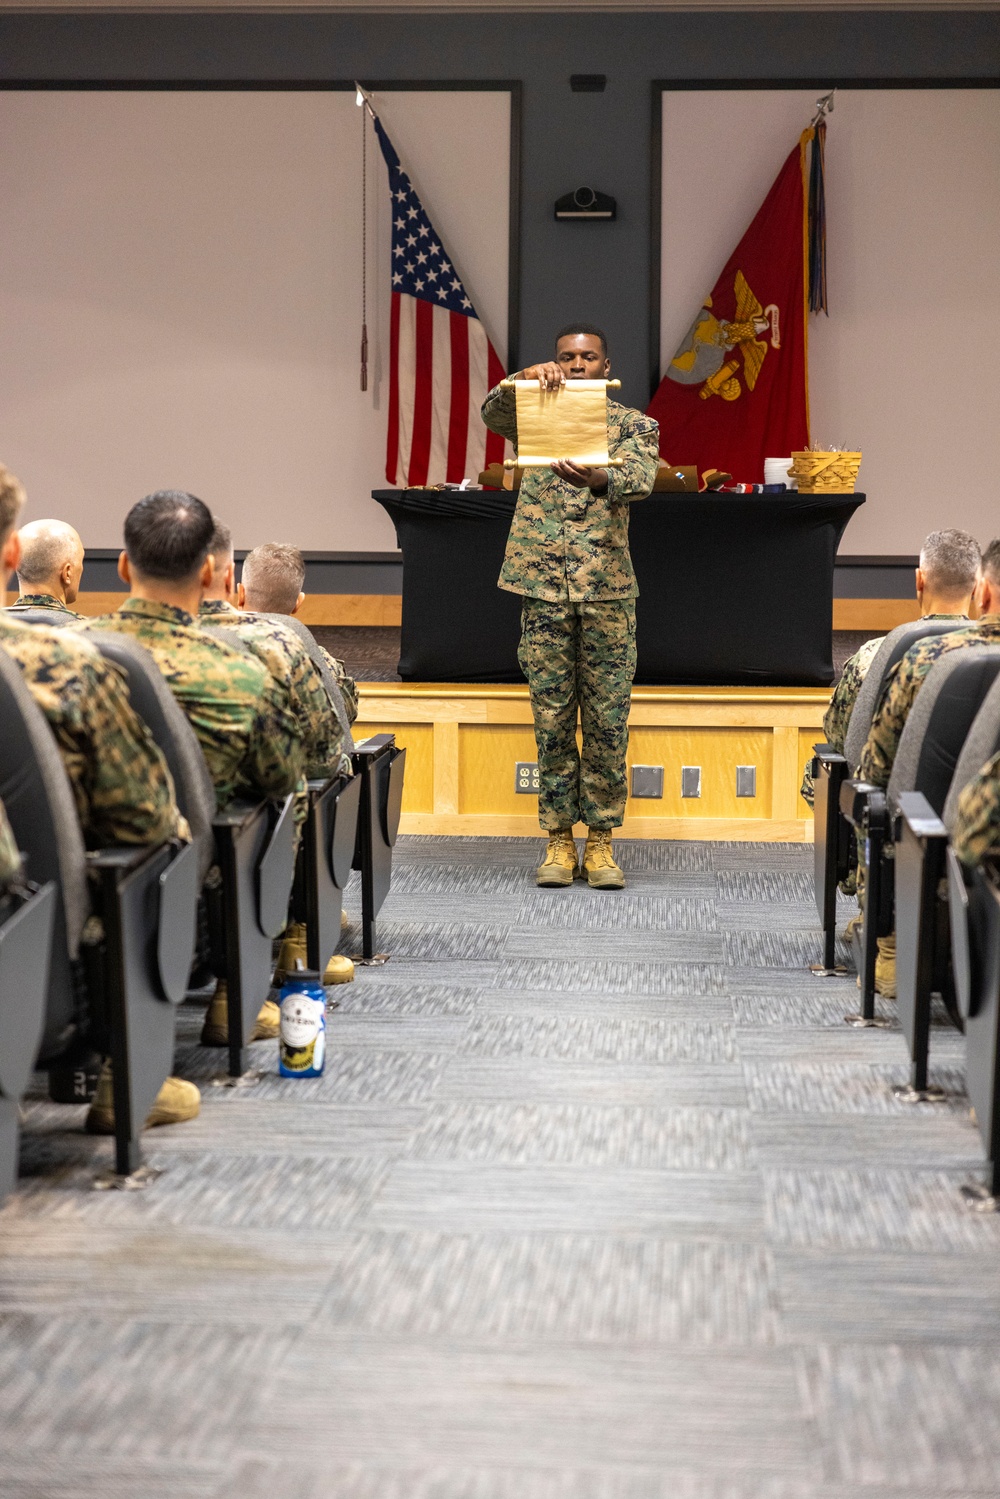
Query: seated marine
{"points": [[50, 569], [945, 578], [976, 834], [272, 579], [285, 657], [120, 782]]}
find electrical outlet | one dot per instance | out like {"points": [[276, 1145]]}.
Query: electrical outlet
{"points": [[647, 780], [526, 777], [746, 780], [690, 780]]}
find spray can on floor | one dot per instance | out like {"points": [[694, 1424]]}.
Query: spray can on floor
{"points": [[302, 1040]]}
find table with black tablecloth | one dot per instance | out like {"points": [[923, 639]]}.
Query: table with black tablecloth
{"points": [[734, 590]]}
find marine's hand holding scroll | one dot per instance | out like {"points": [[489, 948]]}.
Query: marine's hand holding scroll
{"points": [[581, 476], [549, 375]]}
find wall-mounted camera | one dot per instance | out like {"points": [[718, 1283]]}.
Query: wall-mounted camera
{"points": [[585, 203]]}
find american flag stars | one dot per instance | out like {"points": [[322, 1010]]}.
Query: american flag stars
{"points": [[421, 267]]}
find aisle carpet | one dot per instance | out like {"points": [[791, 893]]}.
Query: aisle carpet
{"points": [[599, 1198]]}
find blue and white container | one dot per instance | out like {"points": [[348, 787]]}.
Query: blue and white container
{"points": [[302, 1038]]}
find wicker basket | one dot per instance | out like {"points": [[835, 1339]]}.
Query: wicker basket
{"points": [[825, 473]]}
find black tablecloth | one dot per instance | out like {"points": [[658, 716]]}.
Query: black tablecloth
{"points": [[734, 589]]}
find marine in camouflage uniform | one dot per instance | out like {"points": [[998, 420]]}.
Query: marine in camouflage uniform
{"points": [[121, 784], [838, 714], [10, 857], [568, 557], [43, 601], [348, 686], [900, 691], [976, 834], [249, 736], [282, 653]]}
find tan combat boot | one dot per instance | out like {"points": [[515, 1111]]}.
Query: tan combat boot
{"points": [[215, 1031], [559, 867], [885, 967], [339, 970], [599, 867], [175, 1102]]}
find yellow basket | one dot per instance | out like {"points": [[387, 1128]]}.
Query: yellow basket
{"points": [[825, 473]]}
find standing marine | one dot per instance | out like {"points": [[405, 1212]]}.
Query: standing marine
{"points": [[568, 558]]}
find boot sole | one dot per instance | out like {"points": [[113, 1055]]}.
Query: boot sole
{"points": [[554, 882], [602, 882]]}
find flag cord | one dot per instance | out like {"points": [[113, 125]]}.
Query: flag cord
{"points": [[364, 249]]}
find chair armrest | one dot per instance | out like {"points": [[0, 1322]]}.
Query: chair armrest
{"points": [[920, 817], [855, 799], [119, 858]]}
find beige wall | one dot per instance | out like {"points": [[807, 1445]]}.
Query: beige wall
{"points": [[903, 368], [181, 291]]}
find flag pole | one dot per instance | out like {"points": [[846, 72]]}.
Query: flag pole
{"points": [[363, 100]]}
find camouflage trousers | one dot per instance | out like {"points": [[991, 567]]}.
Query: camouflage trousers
{"points": [[580, 659]]}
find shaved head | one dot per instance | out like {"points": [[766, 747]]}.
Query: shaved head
{"points": [[51, 559]]}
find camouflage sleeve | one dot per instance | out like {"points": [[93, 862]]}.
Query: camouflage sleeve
{"points": [[10, 858], [879, 753], [838, 715], [309, 702], [976, 833], [639, 448], [123, 789], [275, 756], [348, 686], [498, 413]]}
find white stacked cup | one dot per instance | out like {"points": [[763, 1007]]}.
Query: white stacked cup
{"points": [[776, 472]]}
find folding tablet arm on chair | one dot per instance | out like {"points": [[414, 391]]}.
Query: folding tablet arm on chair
{"points": [[832, 848], [923, 942], [380, 764], [326, 856], [866, 809], [27, 919]]}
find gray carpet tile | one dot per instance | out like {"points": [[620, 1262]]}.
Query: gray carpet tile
{"points": [[565, 1287], [682, 1139], [598, 1198]]}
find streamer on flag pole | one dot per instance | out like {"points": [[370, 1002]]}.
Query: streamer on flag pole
{"points": [[441, 362]]}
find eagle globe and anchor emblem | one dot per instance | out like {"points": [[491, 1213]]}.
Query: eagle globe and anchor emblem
{"points": [[702, 357]]}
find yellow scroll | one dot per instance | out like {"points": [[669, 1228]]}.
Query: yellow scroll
{"points": [[568, 422]]}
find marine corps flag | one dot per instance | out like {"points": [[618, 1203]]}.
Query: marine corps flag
{"points": [[736, 391]]}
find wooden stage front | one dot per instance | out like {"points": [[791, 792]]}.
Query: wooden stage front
{"points": [[463, 741]]}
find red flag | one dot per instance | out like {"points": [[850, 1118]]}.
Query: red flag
{"points": [[736, 391]]}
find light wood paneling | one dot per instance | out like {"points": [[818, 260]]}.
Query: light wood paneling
{"points": [[486, 774], [352, 609], [418, 741], [873, 614], [92, 604]]}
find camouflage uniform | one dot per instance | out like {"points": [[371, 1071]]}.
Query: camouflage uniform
{"points": [[568, 556], [838, 714], [43, 601], [976, 834], [10, 857], [899, 692], [348, 686], [248, 734], [120, 780], [282, 653]]}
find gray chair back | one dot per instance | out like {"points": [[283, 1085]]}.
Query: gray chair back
{"points": [[892, 650], [939, 722], [330, 682], [35, 789], [56, 619], [981, 744], [156, 705]]}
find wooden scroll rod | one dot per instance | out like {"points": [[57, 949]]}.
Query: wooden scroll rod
{"points": [[548, 462], [510, 383]]}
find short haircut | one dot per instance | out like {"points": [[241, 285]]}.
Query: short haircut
{"points": [[221, 544], [11, 501], [168, 534], [588, 328], [45, 546], [273, 575], [950, 561], [991, 563]]}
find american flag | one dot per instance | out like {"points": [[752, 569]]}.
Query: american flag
{"points": [[441, 363]]}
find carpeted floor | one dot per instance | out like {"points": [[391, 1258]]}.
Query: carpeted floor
{"points": [[371, 652], [599, 1198]]}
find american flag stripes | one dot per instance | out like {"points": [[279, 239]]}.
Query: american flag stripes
{"points": [[441, 363]]}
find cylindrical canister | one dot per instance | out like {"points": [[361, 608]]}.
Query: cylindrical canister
{"points": [[302, 1043]]}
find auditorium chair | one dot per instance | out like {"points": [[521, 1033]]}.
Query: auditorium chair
{"points": [[27, 916], [380, 764], [975, 924], [932, 896], [928, 753], [245, 850], [123, 929], [834, 853]]}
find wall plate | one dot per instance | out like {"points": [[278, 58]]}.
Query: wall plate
{"points": [[647, 780], [526, 777], [690, 780], [746, 780]]}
